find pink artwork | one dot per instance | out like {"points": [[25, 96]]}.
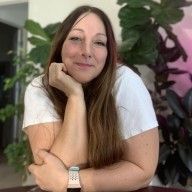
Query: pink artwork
{"points": [[183, 30]]}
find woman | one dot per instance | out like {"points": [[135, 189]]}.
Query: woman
{"points": [[87, 112]]}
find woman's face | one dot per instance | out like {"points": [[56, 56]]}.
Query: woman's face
{"points": [[84, 51]]}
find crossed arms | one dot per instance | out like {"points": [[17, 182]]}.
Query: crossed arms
{"points": [[66, 143]]}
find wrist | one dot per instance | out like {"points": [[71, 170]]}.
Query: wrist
{"points": [[76, 99], [77, 94]]}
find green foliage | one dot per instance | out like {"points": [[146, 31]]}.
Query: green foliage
{"points": [[41, 40], [166, 14], [26, 69], [7, 112], [28, 65], [19, 155], [137, 16], [141, 23], [36, 29], [136, 3], [175, 162], [174, 103]]}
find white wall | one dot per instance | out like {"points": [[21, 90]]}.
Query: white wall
{"points": [[50, 11]]}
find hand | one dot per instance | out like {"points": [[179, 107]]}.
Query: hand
{"points": [[52, 174], [59, 79]]}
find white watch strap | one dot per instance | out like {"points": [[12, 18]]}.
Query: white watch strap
{"points": [[74, 181]]}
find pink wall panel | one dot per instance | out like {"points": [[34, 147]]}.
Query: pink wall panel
{"points": [[184, 32]]}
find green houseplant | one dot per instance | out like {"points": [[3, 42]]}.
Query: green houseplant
{"points": [[175, 161], [144, 43], [29, 65]]}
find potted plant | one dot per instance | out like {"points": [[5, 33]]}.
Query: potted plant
{"points": [[175, 161], [146, 29]]}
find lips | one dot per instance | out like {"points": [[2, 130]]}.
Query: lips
{"points": [[84, 64]]}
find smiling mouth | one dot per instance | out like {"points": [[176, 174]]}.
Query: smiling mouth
{"points": [[84, 64]]}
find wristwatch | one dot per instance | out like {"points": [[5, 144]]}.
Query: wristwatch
{"points": [[74, 183]]}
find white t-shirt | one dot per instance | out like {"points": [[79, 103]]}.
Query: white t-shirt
{"points": [[133, 101]]}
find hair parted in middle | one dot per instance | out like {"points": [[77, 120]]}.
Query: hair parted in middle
{"points": [[104, 135]]}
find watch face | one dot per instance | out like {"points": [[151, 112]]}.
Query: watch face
{"points": [[73, 189]]}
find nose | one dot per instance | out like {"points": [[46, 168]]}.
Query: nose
{"points": [[87, 50]]}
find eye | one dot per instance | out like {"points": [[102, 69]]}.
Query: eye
{"points": [[100, 43], [75, 38]]}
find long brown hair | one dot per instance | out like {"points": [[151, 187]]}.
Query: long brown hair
{"points": [[105, 143]]}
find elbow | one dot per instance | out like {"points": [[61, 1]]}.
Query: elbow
{"points": [[148, 176]]}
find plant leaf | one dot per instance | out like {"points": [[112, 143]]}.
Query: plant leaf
{"points": [[19, 155], [171, 54], [129, 37], [188, 125], [130, 17], [170, 167], [51, 29], [187, 102], [175, 3], [174, 124], [164, 128], [166, 85], [35, 29], [186, 155], [135, 3], [8, 111], [144, 50], [175, 71], [164, 152], [161, 172], [167, 15], [40, 54], [174, 103], [37, 41]]}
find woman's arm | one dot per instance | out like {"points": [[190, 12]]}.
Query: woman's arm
{"points": [[42, 136], [67, 140], [135, 170], [71, 144]]}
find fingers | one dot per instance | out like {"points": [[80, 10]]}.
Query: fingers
{"points": [[44, 155], [64, 68], [32, 168], [58, 67], [60, 79], [57, 72]]}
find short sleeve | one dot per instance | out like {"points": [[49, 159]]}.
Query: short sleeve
{"points": [[38, 108], [134, 104]]}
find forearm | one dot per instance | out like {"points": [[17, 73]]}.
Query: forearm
{"points": [[41, 136], [122, 176], [70, 144]]}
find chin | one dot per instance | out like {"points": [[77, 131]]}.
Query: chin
{"points": [[83, 80]]}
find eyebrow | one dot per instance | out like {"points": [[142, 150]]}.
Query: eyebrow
{"points": [[81, 30]]}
